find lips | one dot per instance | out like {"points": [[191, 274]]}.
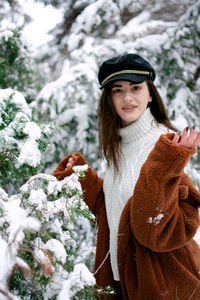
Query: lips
{"points": [[129, 107]]}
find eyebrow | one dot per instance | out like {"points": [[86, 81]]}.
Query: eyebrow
{"points": [[116, 85], [119, 85]]}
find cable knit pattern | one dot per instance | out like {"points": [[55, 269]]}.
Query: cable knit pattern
{"points": [[138, 139]]}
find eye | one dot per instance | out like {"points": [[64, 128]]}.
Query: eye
{"points": [[115, 91], [136, 88]]}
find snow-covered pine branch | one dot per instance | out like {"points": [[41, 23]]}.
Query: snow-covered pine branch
{"points": [[38, 238], [22, 140]]}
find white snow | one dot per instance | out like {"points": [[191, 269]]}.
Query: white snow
{"points": [[20, 124], [79, 278], [33, 130], [198, 23], [4, 262], [58, 249], [22, 264], [17, 98], [37, 197], [180, 122], [197, 236], [18, 220], [141, 25], [29, 153], [155, 220], [43, 20], [79, 169], [72, 182], [44, 259], [3, 194]]}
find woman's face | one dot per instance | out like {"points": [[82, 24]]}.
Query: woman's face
{"points": [[130, 100]]}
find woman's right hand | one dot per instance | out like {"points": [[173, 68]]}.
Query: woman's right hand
{"points": [[187, 140], [71, 161]]}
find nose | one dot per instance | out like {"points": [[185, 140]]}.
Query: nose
{"points": [[128, 97]]}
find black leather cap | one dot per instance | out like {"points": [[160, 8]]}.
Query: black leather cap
{"points": [[129, 67]]}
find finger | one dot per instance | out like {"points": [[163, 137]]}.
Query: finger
{"points": [[184, 138], [176, 137], [191, 136], [197, 140], [68, 165], [74, 156], [71, 161]]}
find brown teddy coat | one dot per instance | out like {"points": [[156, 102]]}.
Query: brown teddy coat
{"points": [[157, 256]]}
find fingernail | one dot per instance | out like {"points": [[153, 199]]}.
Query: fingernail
{"points": [[179, 133], [187, 128], [193, 127]]}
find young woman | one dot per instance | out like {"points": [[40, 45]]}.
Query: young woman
{"points": [[146, 206]]}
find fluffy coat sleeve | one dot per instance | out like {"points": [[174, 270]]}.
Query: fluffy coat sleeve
{"points": [[91, 183], [164, 210]]}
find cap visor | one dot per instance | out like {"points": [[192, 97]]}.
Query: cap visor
{"points": [[135, 78]]}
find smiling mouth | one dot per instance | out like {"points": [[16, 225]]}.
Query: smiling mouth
{"points": [[129, 107]]}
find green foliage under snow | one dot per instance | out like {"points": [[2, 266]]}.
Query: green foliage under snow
{"points": [[38, 238], [18, 69], [22, 141], [45, 239]]}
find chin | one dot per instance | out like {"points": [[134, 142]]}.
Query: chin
{"points": [[127, 123]]}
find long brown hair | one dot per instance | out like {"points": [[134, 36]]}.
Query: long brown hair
{"points": [[109, 122]]}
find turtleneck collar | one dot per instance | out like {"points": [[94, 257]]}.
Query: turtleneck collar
{"points": [[137, 129]]}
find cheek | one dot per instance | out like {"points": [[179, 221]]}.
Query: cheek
{"points": [[116, 108], [115, 103]]}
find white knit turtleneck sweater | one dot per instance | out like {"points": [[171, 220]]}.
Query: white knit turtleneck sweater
{"points": [[138, 139]]}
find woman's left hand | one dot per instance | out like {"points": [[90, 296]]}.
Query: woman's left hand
{"points": [[188, 140]]}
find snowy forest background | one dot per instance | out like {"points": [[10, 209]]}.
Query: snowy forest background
{"points": [[50, 52]]}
